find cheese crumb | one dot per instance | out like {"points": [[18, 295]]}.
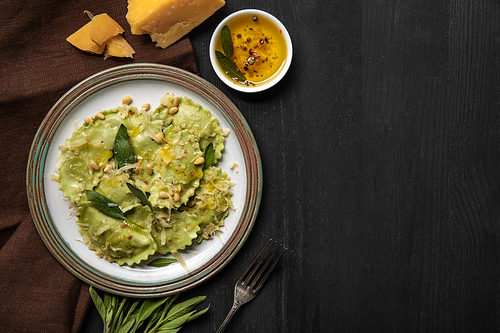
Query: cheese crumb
{"points": [[234, 165]]}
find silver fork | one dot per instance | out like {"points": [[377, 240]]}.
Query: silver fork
{"points": [[251, 281]]}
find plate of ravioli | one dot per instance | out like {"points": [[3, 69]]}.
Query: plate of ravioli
{"points": [[144, 180]]}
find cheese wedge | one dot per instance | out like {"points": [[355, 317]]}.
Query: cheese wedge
{"points": [[117, 46], [81, 40], [167, 21], [103, 28]]}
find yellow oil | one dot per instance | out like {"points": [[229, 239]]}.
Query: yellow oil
{"points": [[259, 48]]}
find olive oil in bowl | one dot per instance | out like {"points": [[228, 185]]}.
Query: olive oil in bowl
{"points": [[260, 50]]}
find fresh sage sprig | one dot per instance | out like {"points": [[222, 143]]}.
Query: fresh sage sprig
{"points": [[224, 59], [155, 315], [229, 67], [162, 262], [226, 41], [122, 150], [140, 195], [209, 156], [105, 205]]}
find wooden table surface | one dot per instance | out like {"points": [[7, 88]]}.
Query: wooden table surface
{"points": [[380, 155]]}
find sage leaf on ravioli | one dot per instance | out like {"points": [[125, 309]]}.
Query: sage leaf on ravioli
{"points": [[114, 239], [113, 186]]}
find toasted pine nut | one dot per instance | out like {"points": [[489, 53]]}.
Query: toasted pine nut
{"points": [[145, 106], [101, 116], [149, 169], [177, 197], [163, 195], [93, 165], [159, 137], [127, 100], [137, 170], [108, 168], [199, 161], [89, 120], [173, 110], [176, 101]]}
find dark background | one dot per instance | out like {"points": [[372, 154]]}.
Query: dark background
{"points": [[380, 153]]}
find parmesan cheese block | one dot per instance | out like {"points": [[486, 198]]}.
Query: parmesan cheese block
{"points": [[166, 21]]}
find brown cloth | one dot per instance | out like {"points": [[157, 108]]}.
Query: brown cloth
{"points": [[37, 67]]}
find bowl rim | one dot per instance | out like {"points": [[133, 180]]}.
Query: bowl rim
{"points": [[231, 83]]}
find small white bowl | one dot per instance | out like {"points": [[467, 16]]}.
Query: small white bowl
{"points": [[231, 83]]}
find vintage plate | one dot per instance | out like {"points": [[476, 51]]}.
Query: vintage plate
{"points": [[144, 83]]}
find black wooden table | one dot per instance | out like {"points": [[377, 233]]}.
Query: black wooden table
{"points": [[380, 153]]}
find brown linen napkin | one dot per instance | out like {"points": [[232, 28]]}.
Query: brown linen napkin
{"points": [[37, 67]]}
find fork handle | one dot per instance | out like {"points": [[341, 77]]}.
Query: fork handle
{"points": [[228, 317]]}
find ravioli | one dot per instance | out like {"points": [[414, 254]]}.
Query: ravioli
{"points": [[197, 120], [166, 198], [212, 202]]}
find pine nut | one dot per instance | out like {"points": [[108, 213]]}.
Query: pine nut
{"points": [[127, 100], [137, 170], [149, 169], [145, 106], [176, 101], [177, 197], [108, 168], [89, 120], [101, 116], [93, 165], [173, 110], [163, 195], [199, 161], [159, 137]]}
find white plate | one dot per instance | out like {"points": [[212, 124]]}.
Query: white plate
{"points": [[145, 83]]}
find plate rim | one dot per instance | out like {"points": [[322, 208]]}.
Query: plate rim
{"points": [[36, 168]]}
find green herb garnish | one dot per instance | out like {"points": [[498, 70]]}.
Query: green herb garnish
{"points": [[140, 195], [122, 150], [229, 67], [209, 156], [162, 262], [225, 58], [128, 315], [105, 205], [226, 41]]}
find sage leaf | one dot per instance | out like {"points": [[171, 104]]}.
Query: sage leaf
{"points": [[140, 195], [99, 304], [122, 150], [229, 67], [161, 262], [209, 156], [197, 314], [147, 308], [176, 323], [105, 205], [226, 41], [179, 310], [174, 330], [127, 324]]}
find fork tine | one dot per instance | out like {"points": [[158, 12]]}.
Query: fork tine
{"points": [[252, 265], [261, 266], [264, 278]]}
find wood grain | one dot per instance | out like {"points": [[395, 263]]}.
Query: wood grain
{"points": [[380, 152]]}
